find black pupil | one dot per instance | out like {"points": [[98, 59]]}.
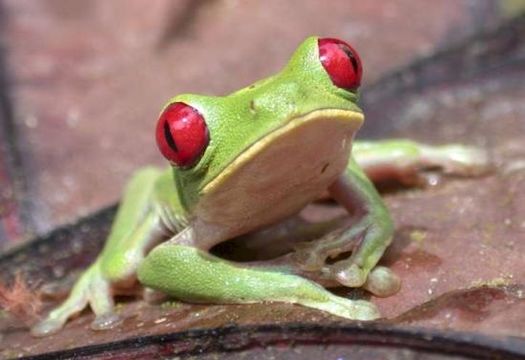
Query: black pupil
{"points": [[169, 137], [351, 56]]}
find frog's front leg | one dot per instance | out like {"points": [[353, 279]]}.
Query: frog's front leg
{"points": [[367, 237], [135, 228], [191, 274]]}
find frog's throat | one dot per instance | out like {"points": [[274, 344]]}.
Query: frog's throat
{"points": [[353, 118]]}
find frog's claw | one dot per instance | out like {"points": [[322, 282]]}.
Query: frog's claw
{"points": [[90, 289], [313, 255]]}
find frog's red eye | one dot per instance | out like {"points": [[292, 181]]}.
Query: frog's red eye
{"points": [[341, 62], [182, 135]]}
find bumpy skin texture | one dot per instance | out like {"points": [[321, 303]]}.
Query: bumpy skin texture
{"points": [[274, 147]]}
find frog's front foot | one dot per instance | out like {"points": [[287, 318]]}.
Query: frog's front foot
{"points": [[316, 259], [358, 269], [315, 256], [380, 281], [90, 289]]}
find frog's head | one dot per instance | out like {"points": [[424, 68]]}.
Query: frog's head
{"points": [[266, 150]]}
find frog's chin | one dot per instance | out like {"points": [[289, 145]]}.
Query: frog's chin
{"points": [[280, 173]]}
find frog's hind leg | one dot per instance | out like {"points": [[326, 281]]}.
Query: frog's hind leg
{"points": [[403, 160], [197, 276]]}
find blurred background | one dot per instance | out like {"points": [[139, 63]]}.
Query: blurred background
{"points": [[82, 82]]}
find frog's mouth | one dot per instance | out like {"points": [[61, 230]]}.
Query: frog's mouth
{"points": [[283, 171]]}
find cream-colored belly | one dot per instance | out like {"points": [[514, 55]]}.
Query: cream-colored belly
{"points": [[278, 176]]}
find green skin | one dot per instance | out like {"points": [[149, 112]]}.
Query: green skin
{"points": [[275, 146]]}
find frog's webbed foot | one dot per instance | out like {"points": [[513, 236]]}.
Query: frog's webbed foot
{"points": [[319, 255], [315, 255], [90, 289], [316, 260]]}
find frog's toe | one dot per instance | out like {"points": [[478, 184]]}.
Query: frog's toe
{"points": [[382, 282], [47, 327], [77, 300], [106, 321], [353, 309], [365, 310], [348, 273]]}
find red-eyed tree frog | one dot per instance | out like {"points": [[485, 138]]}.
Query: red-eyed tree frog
{"points": [[243, 162]]}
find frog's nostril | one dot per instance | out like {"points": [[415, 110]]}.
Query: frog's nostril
{"points": [[341, 62], [182, 135]]}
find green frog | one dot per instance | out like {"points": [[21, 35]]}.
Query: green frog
{"points": [[246, 161]]}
